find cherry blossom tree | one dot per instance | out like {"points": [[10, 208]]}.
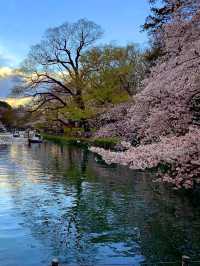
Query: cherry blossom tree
{"points": [[168, 107]]}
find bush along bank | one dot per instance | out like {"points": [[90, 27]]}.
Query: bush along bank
{"points": [[105, 143]]}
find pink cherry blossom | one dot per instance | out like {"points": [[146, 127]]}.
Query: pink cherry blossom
{"points": [[163, 117]]}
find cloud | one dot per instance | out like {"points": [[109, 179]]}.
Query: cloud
{"points": [[8, 80], [6, 72], [9, 72], [16, 102], [7, 63]]}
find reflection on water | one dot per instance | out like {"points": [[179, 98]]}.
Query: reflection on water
{"points": [[62, 201]]}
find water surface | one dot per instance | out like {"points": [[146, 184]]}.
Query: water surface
{"points": [[60, 201]]}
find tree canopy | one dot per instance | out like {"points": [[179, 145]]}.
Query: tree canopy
{"points": [[5, 105], [71, 77], [164, 121]]}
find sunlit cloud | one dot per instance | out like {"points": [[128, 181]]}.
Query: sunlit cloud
{"points": [[6, 72], [6, 63], [16, 102]]}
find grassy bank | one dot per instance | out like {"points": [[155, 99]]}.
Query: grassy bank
{"points": [[106, 143]]}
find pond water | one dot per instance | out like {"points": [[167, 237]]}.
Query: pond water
{"points": [[62, 201]]}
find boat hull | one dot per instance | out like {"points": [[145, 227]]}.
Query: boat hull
{"points": [[34, 141]]}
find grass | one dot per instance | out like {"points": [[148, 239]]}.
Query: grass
{"points": [[106, 143], [64, 140]]}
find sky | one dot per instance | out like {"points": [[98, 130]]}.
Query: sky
{"points": [[23, 23]]}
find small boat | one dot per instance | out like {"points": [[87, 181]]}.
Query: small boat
{"points": [[16, 135], [35, 139]]}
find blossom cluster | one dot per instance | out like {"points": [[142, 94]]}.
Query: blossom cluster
{"points": [[163, 113], [181, 153]]}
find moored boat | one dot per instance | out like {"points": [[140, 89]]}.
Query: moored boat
{"points": [[35, 139], [16, 134]]}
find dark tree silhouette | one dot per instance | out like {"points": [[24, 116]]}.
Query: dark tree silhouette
{"points": [[54, 75]]}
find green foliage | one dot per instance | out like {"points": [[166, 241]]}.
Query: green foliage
{"points": [[119, 98], [71, 131], [75, 113], [83, 79], [152, 55], [63, 139], [5, 105], [120, 71], [106, 94], [106, 143], [7, 114]]}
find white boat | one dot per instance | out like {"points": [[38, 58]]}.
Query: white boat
{"points": [[37, 138], [16, 134]]}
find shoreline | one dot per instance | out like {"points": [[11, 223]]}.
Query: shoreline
{"points": [[106, 143]]}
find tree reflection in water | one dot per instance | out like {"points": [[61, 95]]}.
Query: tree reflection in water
{"points": [[87, 213]]}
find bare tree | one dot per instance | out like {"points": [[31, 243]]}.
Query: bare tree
{"points": [[53, 72]]}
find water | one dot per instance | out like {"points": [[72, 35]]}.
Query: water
{"points": [[64, 202]]}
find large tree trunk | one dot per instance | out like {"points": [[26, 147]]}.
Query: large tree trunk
{"points": [[80, 103], [86, 126]]}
